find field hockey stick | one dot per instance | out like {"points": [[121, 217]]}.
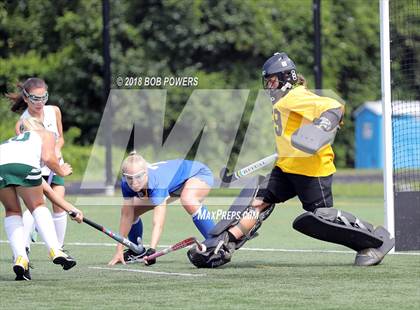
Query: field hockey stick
{"points": [[177, 246], [229, 178], [50, 177], [137, 248]]}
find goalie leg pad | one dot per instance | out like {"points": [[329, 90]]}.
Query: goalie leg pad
{"points": [[253, 232], [238, 207], [242, 207], [332, 225], [343, 217], [218, 248]]}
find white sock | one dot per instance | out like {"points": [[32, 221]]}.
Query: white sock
{"points": [[60, 223], [15, 234], [29, 227], [45, 226]]}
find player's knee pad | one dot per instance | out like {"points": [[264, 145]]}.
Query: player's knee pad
{"points": [[333, 225]]}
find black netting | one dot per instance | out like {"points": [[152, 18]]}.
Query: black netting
{"points": [[405, 89]]}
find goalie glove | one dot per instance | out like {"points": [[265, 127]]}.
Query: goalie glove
{"points": [[312, 137], [323, 123]]}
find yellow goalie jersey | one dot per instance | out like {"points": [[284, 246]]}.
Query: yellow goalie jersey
{"points": [[300, 107]]}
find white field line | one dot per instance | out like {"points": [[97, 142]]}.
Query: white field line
{"points": [[215, 203], [153, 272], [106, 201], [242, 249]]}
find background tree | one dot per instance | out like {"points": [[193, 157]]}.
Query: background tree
{"points": [[224, 43]]}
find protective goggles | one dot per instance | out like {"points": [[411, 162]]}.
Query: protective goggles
{"points": [[137, 176], [36, 99]]}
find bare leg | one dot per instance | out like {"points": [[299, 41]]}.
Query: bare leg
{"points": [[246, 223], [192, 196]]}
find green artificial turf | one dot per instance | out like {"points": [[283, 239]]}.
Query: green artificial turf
{"points": [[282, 277]]}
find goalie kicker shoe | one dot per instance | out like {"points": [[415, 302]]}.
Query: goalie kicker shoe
{"points": [[219, 251], [132, 257], [21, 269], [374, 256], [59, 257]]}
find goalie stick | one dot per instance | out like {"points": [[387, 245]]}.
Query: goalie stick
{"points": [[229, 178]]}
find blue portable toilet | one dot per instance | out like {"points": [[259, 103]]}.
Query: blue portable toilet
{"points": [[368, 136], [406, 135]]}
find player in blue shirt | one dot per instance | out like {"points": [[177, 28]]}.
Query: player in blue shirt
{"points": [[148, 187]]}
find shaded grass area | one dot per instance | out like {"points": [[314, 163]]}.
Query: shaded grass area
{"points": [[253, 280]]}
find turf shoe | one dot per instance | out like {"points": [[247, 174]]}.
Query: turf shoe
{"points": [[132, 257], [21, 269], [27, 250], [59, 257]]}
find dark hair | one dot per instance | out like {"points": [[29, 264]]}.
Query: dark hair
{"points": [[18, 104], [301, 80]]}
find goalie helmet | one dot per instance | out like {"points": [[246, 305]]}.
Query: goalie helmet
{"points": [[278, 75]]}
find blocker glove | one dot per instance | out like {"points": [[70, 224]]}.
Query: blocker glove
{"points": [[149, 252]]}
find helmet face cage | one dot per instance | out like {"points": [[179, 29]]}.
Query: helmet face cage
{"points": [[278, 76], [269, 81]]}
